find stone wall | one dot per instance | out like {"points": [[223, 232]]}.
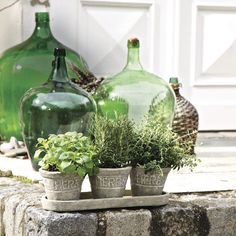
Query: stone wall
{"points": [[202, 214]]}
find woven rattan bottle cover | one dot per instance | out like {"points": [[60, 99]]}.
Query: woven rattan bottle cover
{"points": [[186, 116]]}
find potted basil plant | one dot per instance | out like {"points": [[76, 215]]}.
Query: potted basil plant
{"points": [[155, 151], [66, 159], [112, 142]]}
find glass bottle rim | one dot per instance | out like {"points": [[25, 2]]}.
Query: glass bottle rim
{"points": [[42, 17], [174, 82], [133, 43]]}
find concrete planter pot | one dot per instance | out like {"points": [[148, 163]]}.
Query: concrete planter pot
{"points": [[109, 182], [60, 186], [151, 183]]}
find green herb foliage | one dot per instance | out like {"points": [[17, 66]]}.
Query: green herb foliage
{"points": [[155, 146], [23, 179], [113, 140], [67, 153]]}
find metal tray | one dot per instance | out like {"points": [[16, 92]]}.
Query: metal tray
{"points": [[86, 202]]}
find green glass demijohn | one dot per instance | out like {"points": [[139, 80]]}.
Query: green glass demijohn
{"points": [[135, 92], [28, 65], [58, 106]]}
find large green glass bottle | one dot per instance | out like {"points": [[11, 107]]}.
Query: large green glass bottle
{"points": [[136, 92], [28, 65], [58, 106]]}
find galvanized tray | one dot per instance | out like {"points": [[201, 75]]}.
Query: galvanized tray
{"points": [[86, 202]]}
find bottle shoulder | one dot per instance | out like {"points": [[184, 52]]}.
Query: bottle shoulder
{"points": [[184, 104], [31, 45], [44, 98], [133, 78], [36, 44], [58, 89], [36, 48]]}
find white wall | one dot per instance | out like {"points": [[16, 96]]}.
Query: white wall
{"points": [[10, 23]]}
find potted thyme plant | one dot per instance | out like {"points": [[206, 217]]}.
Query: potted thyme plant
{"points": [[112, 140], [66, 159], [156, 150]]}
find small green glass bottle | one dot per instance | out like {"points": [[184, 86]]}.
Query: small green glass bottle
{"points": [[28, 65], [58, 106], [135, 92]]}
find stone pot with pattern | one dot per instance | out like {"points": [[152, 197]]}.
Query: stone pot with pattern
{"points": [[150, 183], [109, 182], [61, 186], [65, 161]]}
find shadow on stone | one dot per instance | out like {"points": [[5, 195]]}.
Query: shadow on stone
{"points": [[179, 219]]}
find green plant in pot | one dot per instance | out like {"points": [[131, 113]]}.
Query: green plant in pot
{"points": [[66, 159], [155, 151], [112, 141]]}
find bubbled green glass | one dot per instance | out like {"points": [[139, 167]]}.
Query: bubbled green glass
{"points": [[28, 65], [135, 92], [56, 107]]}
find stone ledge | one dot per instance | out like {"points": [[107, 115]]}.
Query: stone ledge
{"points": [[187, 214]]}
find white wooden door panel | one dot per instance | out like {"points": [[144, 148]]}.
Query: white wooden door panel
{"points": [[105, 26], [99, 29], [207, 61]]}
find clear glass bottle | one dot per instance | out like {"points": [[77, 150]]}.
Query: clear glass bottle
{"points": [[135, 92], [58, 106], [28, 65], [185, 122]]}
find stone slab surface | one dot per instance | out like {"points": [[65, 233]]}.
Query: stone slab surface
{"points": [[45, 223], [199, 214], [180, 219], [19, 167], [126, 222]]}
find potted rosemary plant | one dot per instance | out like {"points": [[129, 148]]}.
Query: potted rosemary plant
{"points": [[112, 142], [156, 150], [66, 159]]}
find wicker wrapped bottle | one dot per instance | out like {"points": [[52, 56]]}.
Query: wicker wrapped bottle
{"points": [[186, 116]]}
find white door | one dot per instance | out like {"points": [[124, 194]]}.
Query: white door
{"points": [[206, 59], [192, 39], [99, 29]]}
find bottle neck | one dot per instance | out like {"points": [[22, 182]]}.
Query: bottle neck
{"points": [[59, 71], [174, 83], [133, 62], [42, 30], [177, 93], [175, 86]]}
